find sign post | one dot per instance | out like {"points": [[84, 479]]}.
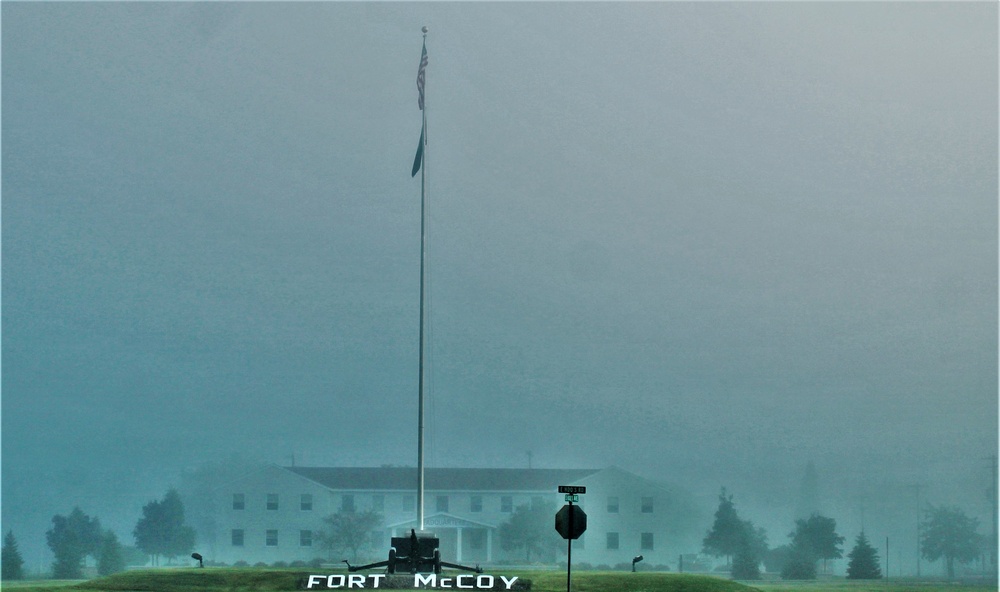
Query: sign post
{"points": [[571, 522]]}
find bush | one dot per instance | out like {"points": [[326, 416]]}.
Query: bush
{"points": [[260, 564], [317, 562], [799, 567], [297, 563], [241, 563], [583, 566], [280, 564]]}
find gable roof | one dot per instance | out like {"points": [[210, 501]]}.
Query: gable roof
{"points": [[404, 478]]}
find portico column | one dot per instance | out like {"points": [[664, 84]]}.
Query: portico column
{"points": [[489, 545], [458, 543]]}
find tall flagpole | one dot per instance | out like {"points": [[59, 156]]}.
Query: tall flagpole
{"points": [[420, 379]]}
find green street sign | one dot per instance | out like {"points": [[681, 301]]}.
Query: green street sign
{"points": [[571, 497]]}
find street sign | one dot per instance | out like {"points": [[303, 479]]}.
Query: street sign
{"points": [[572, 497], [572, 489], [571, 521]]}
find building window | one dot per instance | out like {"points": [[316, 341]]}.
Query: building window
{"points": [[646, 541], [476, 503], [305, 538], [612, 540], [647, 505], [272, 501], [306, 502], [442, 503], [378, 503], [409, 503], [237, 537], [239, 501], [506, 503], [347, 503], [271, 538], [613, 506]]}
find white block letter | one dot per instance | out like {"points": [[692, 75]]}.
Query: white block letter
{"points": [[330, 584], [311, 582], [377, 578], [484, 582], [429, 579], [355, 579], [509, 582]]}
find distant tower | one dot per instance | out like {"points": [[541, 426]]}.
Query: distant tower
{"points": [[808, 501]]}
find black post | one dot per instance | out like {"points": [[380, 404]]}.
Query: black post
{"points": [[569, 551]]}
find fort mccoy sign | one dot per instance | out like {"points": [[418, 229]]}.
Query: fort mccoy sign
{"points": [[428, 581]]}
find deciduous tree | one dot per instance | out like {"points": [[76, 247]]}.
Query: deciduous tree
{"points": [[349, 531], [727, 531], [817, 537], [111, 559], [530, 528], [71, 539], [161, 530], [949, 533]]}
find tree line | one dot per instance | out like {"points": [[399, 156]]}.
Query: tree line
{"points": [[946, 533], [77, 536]]}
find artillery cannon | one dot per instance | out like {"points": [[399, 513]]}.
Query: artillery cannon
{"points": [[415, 555]]}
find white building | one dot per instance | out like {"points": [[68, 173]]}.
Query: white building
{"points": [[275, 514]]}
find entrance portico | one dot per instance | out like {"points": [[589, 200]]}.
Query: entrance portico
{"points": [[460, 540]]}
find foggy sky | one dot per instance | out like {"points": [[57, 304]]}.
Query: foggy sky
{"points": [[707, 243]]}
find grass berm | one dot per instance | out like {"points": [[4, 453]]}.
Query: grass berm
{"points": [[226, 579]]}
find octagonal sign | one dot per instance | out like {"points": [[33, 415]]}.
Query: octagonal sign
{"points": [[571, 521]]}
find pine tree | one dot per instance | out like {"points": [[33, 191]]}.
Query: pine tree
{"points": [[12, 563], [864, 561]]}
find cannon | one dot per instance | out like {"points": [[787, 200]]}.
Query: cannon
{"points": [[413, 554]]}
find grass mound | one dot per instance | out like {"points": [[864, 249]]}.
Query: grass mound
{"points": [[288, 580], [555, 581]]}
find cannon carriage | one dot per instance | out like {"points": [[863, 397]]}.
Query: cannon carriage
{"points": [[413, 554]]}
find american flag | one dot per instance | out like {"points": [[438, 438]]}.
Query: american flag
{"points": [[420, 76]]}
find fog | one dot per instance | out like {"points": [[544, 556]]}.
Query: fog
{"points": [[706, 243]]}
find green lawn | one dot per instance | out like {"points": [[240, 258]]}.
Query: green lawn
{"points": [[287, 580]]}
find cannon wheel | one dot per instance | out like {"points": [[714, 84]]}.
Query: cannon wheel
{"points": [[391, 566]]}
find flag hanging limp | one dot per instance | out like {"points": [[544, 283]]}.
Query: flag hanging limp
{"points": [[418, 160], [421, 72]]}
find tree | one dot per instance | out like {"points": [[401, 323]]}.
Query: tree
{"points": [[864, 561], [10, 558], [817, 538], [530, 528], [949, 533], [727, 530], [112, 560], [161, 530], [776, 559], [71, 539], [799, 566], [349, 531], [750, 551]]}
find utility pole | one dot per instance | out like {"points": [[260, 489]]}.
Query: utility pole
{"points": [[991, 493], [917, 488]]}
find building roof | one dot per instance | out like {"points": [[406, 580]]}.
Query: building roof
{"points": [[403, 478]]}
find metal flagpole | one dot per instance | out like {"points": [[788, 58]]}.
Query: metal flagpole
{"points": [[420, 379]]}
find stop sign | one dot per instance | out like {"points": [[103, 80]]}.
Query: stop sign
{"points": [[571, 521]]}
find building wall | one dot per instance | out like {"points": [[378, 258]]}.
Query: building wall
{"points": [[271, 534]]}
